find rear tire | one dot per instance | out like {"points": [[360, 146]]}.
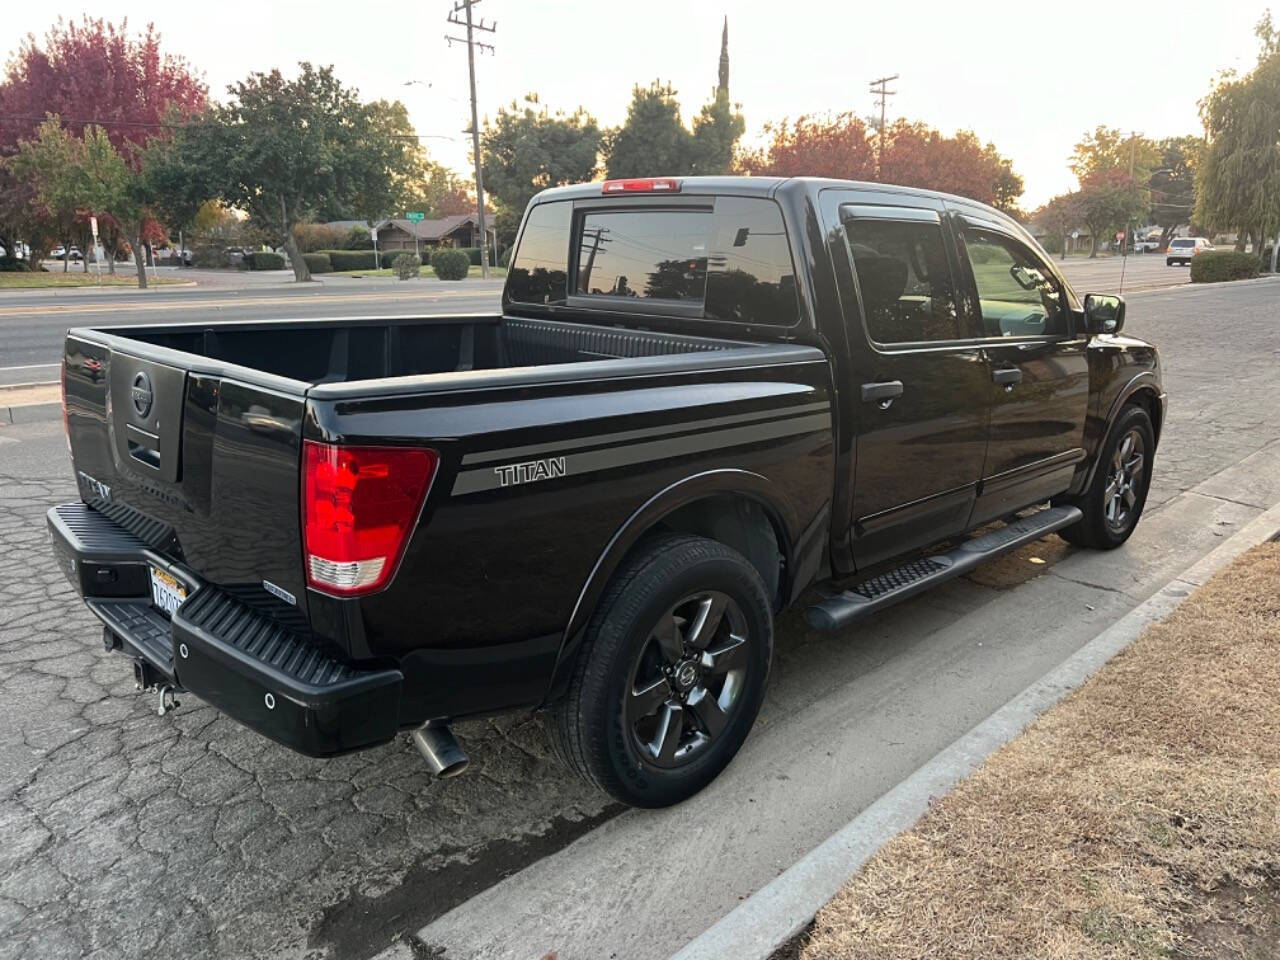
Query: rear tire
{"points": [[671, 674], [1113, 504]]}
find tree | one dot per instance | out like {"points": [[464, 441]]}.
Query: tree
{"points": [[652, 141], [526, 149], [1173, 185], [134, 84], [716, 131], [1058, 218], [1107, 200], [838, 146], [915, 155], [1107, 149], [76, 177], [287, 150], [1238, 180]]}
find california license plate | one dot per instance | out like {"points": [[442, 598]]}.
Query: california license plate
{"points": [[167, 593]]}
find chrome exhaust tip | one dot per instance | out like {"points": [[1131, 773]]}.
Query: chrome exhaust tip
{"points": [[438, 747]]}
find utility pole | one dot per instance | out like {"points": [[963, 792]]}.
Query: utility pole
{"points": [[880, 89], [472, 43]]}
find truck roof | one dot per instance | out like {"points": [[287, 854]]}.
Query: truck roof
{"points": [[768, 187]]}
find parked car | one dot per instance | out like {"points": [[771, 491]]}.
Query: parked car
{"points": [[61, 253], [1182, 249], [1149, 244], [172, 254], [702, 397]]}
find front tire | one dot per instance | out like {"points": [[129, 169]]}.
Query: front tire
{"points": [[671, 675], [1117, 494]]}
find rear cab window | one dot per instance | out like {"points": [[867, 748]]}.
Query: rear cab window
{"points": [[727, 260]]}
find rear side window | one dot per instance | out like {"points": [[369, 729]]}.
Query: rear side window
{"points": [[539, 270], [904, 280], [641, 254]]}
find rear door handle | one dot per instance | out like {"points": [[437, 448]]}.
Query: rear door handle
{"points": [[1006, 376], [884, 392]]}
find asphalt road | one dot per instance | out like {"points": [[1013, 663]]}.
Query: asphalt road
{"points": [[33, 323], [124, 833]]}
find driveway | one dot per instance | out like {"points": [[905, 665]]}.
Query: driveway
{"points": [[122, 833]]}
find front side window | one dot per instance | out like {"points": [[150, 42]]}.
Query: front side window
{"points": [[644, 254], [1017, 295], [904, 280]]}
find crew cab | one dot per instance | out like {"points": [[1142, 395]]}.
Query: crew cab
{"points": [[704, 400]]}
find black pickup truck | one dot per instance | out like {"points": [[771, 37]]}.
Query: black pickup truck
{"points": [[703, 400]]}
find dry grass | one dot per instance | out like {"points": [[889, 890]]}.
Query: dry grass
{"points": [[1138, 818]]}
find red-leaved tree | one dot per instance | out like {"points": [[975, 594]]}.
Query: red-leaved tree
{"points": [[913, 155], [89, 72]]}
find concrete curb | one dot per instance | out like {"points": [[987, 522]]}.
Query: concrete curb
{"points": [[771, 916], [30, 413]]}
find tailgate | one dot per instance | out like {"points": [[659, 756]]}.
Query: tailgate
{"points": [[202, 466]]}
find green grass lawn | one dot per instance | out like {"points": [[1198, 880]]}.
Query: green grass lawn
{"points": [[426, 272], [31, 281]]}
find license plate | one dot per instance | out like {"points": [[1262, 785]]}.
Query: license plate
{"points": [[167, 593]]}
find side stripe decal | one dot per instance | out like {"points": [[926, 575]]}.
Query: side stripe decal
{"points": [[590, 461]]}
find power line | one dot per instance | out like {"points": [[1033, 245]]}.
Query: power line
{"points": [[880, 89], [472, 43]]}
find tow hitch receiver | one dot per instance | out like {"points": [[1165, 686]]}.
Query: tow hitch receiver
{"points": [[147, 679]]}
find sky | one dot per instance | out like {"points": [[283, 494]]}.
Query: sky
{"points": [[1030, 77]]}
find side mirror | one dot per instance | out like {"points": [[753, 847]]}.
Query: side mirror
{"points": [[1103, 314]]}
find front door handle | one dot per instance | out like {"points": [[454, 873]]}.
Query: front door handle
{"points": [[1006, 376], [884, 392]]}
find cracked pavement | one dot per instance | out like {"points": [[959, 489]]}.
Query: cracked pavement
{"points": [[122, 832]]}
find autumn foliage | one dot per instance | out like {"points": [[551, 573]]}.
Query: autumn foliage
{"points": [[915, 155], [95, 70]]}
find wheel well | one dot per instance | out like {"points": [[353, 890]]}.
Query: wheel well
{"points": [[741, 523], [1148, 401]]}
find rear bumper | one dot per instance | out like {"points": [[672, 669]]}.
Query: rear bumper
{"points": [[244, 663]]}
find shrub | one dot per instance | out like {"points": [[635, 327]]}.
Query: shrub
{"points": [[1215, 265], [505, 259], [353, 259], [473, 253], [388, 257], [406, 265], [450, 264], [265, 260], [210, 255], [313, 237], [358, 238], [318, 262]]}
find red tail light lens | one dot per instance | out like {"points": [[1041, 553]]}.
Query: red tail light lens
{"points": [[645, 185], [359, 506]]}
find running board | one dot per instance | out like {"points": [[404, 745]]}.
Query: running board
{"points": [[918, 575]]}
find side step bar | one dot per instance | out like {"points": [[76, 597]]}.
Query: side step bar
{"points": [[919, 575]]}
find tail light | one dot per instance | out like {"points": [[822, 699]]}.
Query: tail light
{"points": [[359, 506], [643, 185]]}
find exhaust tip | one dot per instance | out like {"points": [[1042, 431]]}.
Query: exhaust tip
{"points": [[436, 743]]}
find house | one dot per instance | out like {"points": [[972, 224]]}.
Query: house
{"points": [[459, 230]]}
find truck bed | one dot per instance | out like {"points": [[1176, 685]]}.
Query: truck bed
{"points": [[340, 351]]}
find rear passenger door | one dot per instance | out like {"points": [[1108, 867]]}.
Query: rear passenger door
{"points": [[1036, 349], [920, 382]]}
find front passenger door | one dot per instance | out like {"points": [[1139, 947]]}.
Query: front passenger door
{"points": [[1039, 368]]}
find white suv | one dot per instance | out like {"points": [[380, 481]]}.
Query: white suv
{"points": [[1182, 249]]}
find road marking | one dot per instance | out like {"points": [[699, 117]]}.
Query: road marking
{"points": [[300, 298], [30, 366]]}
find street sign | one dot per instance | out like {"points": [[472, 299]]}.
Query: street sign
{"points": [[415, 217], [1075, 234], [93, 225]]}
